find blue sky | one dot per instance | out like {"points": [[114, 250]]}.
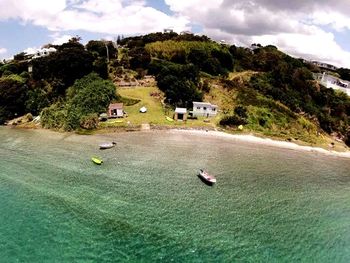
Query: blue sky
{"points": [[302, 29]]}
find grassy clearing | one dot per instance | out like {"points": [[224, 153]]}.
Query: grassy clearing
{"points": [[155, 114]]}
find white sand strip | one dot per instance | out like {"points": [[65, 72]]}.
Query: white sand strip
{"points": [[265, 141]]}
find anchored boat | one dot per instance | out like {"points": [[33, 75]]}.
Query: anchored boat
{"points": [[107, 145], [206, 177]]}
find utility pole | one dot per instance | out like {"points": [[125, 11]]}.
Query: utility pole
{"points": [[104, 42]]}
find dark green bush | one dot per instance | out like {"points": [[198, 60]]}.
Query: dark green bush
{"points": [[89, 121], [232, 120]]}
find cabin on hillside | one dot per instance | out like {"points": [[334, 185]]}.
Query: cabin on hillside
{"points": [[204, 109], [180, 114], [115, 110]]}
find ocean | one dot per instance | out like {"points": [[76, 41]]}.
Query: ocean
{"points": [[145, 203]]}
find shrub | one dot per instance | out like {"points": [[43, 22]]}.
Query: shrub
{"points": [[232, 120], [89, 121], [53, 117]]}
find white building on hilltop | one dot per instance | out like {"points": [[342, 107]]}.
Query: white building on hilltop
{"points": [[43, 52], [333, 82]]}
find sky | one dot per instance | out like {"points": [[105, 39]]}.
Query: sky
{"points": [[309, 29]]}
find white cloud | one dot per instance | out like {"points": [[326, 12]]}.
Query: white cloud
{"points": [[31, 50], [3, 50], [294, 27], [336, 20], [30, 10], [98, 16], [60, 39]]}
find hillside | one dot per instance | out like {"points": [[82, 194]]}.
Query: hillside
{"points": [[263, 89]]}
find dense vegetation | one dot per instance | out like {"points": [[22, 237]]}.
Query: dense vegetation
{"points": [[88, 96], [69, 87]]}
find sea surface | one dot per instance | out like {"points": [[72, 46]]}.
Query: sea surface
{"points": [[145, 203]]}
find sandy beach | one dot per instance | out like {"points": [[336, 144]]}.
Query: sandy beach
{"points": [[265, 141], [237, 137]]}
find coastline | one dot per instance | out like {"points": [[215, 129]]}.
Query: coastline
{"points": [[249, 138], [264, 141]]}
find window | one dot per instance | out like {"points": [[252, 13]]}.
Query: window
{"points": [[213, 109], [198, 108], [204, 108]]}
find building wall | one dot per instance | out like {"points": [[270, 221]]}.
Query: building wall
{"points": [[333, 82], [206, 110], [184, 116]]}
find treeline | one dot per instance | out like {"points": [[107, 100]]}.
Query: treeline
{"points": [[51, 86], [141, 41]]}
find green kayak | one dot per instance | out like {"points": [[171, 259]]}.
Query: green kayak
{"points": [[96, 160]]}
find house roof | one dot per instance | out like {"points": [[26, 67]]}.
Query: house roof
{"points": [[115, 106], [207, 104], [181, 110]]}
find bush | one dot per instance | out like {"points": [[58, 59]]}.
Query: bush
{"points": [[241, 111], [347, 139], [232, 120], [89, 121], [53, 117]]}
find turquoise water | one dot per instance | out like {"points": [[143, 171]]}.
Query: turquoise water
{"points": [[146, 204]]}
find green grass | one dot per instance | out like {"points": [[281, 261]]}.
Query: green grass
{"points": [[155, 114]]}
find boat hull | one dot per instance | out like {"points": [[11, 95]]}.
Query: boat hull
{"points": [[96, 161], [206, 178], [105, 146]]}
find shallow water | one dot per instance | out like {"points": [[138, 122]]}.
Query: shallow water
{"points": [[145, 202]]}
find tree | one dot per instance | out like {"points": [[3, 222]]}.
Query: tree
{"points": [[13, 94], [139, 58], [101, 47], [178, 82], [178, 91], [224, 57], [88, 95], [64, 66]]}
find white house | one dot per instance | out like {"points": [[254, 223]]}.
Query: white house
{"points": [[205, 109], [324, 65], [43, 52], [333, 82]]}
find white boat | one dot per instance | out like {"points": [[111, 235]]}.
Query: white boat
{"points": [[107, 145], [206, 177]]}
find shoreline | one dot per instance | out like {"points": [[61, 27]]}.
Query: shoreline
{"points": [[249, 138], [264, 141]]}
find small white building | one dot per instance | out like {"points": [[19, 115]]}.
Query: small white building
{"points": [[205, 109], [180, 114]]}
